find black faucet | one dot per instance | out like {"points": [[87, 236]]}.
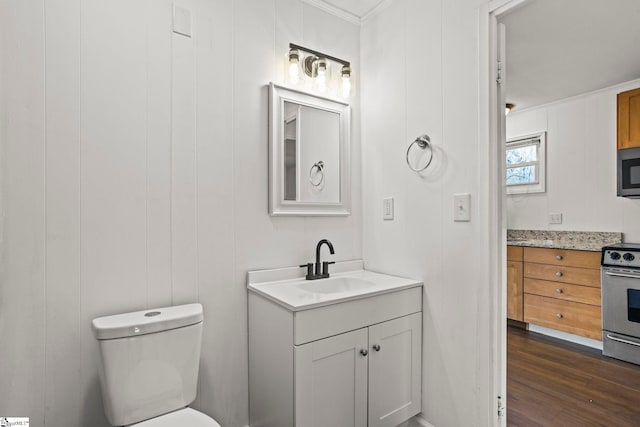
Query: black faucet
{"points": [[319, 274]]}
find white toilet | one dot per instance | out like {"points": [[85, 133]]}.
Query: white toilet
{"points": [[149, 367]]}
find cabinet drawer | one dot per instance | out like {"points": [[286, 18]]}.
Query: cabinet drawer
{"points": [[321, 322], [514, 253], [572, 317], [566, 257], [563, 291], [560, 273]]}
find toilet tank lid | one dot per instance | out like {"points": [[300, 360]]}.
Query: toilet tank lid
{"points": [[146, 321]]}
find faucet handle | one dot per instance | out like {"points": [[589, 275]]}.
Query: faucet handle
{"points": [[309, 267], [325, 266]]}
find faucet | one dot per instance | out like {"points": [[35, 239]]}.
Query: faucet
{"points": [[319, 274]]}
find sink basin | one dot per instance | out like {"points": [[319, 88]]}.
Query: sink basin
{"points": [[349, 281], [335, 285]]}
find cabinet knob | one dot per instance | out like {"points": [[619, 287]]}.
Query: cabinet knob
{"points": [[559, 257], [559, 291], [559, 316], [559, 274], [364, 352], [376, 347]]}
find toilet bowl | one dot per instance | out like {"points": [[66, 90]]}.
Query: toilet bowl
{"points": [[182, 417], [149, 367]]}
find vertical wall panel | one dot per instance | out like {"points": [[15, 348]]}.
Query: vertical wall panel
{"points": [[114, 181], [22, 303], [63, 356], [158, 22], [219, 294]]}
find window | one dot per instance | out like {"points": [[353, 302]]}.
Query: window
{"points": [[525, 164]]}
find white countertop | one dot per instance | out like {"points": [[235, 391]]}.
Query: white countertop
{"points": [[288, 287]]}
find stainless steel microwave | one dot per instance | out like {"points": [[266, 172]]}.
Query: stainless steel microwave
{"points": [[629, 172]]}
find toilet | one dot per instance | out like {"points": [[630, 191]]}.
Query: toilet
{"points": [[149, 364]]}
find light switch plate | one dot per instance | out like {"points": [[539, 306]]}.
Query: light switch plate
{"points": [[461, 207], [181, 20], [555, 218], [387, 208]]}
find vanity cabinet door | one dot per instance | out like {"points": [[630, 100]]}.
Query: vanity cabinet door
{"points": [[395, 370], [331, 381]]}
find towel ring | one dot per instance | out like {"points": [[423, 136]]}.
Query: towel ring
{"points": [[423, 142], [320, 167]]}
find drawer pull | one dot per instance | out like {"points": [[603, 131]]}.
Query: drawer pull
{"points": [[376, 347], [559, 316], [559, 273], [614, 338], [559, 257], [559, 291], [364, 352]]}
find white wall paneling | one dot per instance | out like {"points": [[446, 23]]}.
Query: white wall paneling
{"points": [[421, 62], [581, 167], [134, 175]]}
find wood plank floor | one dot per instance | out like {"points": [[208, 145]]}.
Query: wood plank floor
{"points": [[551, 382]]}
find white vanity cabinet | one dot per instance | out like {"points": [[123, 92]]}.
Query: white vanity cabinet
{"points": [[355, 363]]}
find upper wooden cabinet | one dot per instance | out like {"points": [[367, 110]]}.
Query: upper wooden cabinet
{"points": [[629, 119]]}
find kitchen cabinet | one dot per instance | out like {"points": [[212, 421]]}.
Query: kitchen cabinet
{"points": [[629, 119], [515, 296], [562, 290], [355, 363]]}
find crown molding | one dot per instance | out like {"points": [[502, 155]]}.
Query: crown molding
{"points": [[376, 10], [333, 10]]}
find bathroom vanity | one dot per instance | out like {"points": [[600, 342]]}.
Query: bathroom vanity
{"points": [[341, 351]]}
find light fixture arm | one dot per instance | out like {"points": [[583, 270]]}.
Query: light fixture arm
{"points": [[319, 54]]}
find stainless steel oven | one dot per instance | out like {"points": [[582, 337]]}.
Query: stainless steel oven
{"points": [[621, 302], [629, 172]]}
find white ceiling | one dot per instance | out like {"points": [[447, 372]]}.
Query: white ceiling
{"points": [[359, 8], [561, 48]]}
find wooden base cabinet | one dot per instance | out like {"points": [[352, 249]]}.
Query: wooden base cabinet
{"points": [[562, 290], [356, 363], [515, 301]]}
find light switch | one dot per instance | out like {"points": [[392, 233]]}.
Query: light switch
{"points": [[181, 20], [461, 207], [387, 208]]}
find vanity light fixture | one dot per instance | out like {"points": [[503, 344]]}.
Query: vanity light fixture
{"points": [[507, 108], [317, 66]]}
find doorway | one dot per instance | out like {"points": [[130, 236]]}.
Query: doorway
{"points": [[498, 77]]}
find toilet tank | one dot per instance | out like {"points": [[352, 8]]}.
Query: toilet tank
{"points": [[148, 361]]}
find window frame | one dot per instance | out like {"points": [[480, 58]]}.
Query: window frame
{"points": [[538, 139]]}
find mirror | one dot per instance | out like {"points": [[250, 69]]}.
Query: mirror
{"points": [[309, 154]]}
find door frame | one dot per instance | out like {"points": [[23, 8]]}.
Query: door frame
{"points": [[492, 136]]}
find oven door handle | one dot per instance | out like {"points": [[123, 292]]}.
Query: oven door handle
{"points": [[614, 338], [630, 276]]}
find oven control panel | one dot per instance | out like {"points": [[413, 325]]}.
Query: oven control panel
{"points": [[621, 257]]}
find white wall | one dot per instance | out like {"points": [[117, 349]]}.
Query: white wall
{"points": [[420, 75], [581, 167], [134, 171]]}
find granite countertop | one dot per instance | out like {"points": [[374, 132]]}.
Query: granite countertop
{"points": [[578, 240]]}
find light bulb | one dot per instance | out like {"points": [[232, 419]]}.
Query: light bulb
{"points": [[346, 81], [321, 79], [294, 71], [294, 60]]}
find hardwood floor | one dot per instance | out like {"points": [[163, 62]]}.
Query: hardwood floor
{"points": [[554, 383]]}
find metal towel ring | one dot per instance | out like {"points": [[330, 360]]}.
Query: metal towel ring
{"points": [[423, 142], [320, 166]]}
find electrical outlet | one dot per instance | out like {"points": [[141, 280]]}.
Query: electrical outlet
{"points": [[555, 218], [387, 208]]}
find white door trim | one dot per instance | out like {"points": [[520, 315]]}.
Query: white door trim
{"points": [[492, 137]]}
